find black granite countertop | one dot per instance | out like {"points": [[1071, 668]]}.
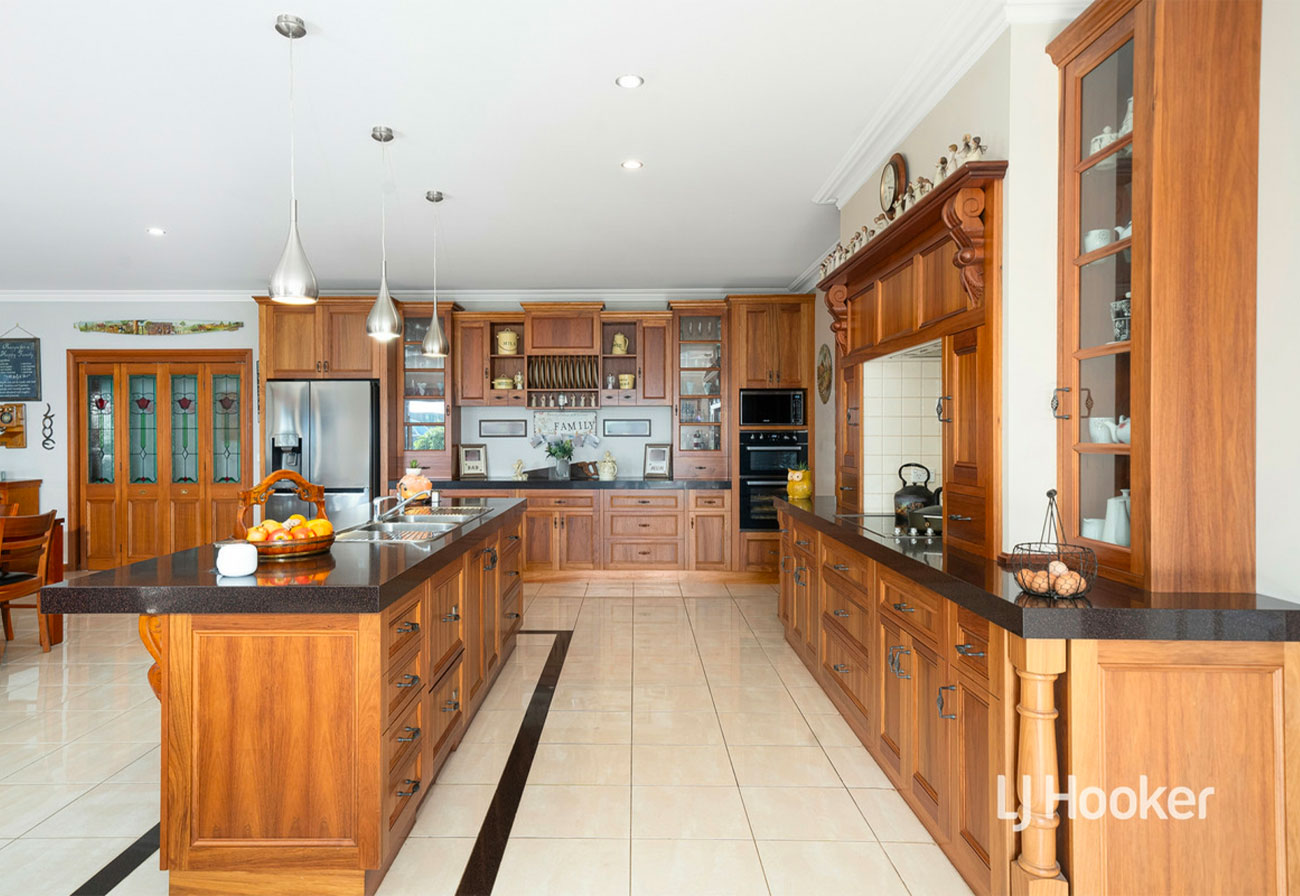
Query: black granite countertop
{"points": [[1118, 612], [354, 577], [580, 484]]}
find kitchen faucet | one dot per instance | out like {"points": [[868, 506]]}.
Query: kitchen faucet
{"points": [[377, 516]]}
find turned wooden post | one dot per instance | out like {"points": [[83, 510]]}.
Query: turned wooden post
{"points": [[151, 637], [1035, 872]]}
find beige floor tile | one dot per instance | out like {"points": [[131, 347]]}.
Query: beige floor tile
{"points": [[704, 589], [809, 868], [108, 808], [453, 810], [77, 763], [804, 813], [925, 870], [744, 698], [597, 673], [890, 818], [681, 765], [783, 767], [142, 725], [671, 698], [677, 867], [565, 867], [427, 866], [832, 731], [689, 813], [55, 866], [669, 673], [752, 675], [609, 589], [548, 810], [494, 727], [580, 727], [856, 768], [813, 700], [581, 764], [655, 589], [766, 729], [591, 697], [145, 770], [27, 805], [676, 728], [476, 764], [796, 676], [562, 589]]}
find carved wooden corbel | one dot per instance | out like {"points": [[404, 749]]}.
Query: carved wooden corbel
{"points": [[151, 637], [837, 304], [963, 216]]}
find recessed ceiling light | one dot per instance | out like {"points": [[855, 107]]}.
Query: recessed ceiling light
{"points": [[155, 231], [633, 164], [631, 82]]}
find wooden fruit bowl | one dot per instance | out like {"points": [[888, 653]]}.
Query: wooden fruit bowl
{"points": [[294, 549]]}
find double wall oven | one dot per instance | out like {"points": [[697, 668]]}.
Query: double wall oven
{"points": [[765, 456]]}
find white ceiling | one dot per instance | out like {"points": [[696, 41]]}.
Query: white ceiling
{"points": [[123, 116]]}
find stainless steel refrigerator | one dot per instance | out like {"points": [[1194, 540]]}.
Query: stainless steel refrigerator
{"points": [[327, 431]]}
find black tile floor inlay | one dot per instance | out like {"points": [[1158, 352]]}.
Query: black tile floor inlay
{"points": [[121, 867], [485, 861]]}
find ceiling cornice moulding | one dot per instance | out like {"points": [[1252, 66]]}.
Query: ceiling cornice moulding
{"points": [[610, 297], [807, 281]]}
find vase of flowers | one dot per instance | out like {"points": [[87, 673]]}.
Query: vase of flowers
{"points": [[562, 451]]}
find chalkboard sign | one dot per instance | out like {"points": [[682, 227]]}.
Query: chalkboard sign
{"points": [[20, 370]]}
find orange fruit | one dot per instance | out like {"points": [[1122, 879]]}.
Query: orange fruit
{"points": [[257, 533], [320, 527]]}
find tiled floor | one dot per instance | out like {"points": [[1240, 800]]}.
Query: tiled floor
{"points": [[687, 751]]}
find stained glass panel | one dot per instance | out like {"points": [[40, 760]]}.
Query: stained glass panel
{"points": [[142, 429], [185, 427], [99, 444], [225, 428]]}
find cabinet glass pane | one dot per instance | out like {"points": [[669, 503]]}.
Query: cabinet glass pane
{"points": [[225, 428], [426, 438], [185, 427], [99, 442], [701, 410], [416, 361], [1104, 506], [1106, 201], [697, 382], [1104, 302], [1104, 398], [143, 428], [693, 328], [415, 328], [426, 411], [700, 438], [1107, 98], [425, 382], [701, 356]]}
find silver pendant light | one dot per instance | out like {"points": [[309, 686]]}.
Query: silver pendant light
{"points": [[435, 341], [293, 282], [384, 322]]}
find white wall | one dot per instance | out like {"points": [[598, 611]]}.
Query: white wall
{"points": [[1277, 432], [50, 320]]}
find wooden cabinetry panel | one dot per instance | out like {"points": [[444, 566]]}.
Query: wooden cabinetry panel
{"points": [[759, 552], [710, 540], [897, 308], [891, 696], [404, 623], [644, 554], [687, 466], [920, 609], [578, 540], [974, 801], [940, 290], [540, 540], [348, 350], [862, 318], [752, 326], [848, 437], [185, 516], [446, 621], [792, 339], [643, 525], [846, 666], [847, 608], [569, 328], [471, 361], [928, 744], [144, 536], [654, 384], [290, 342], [644, 500]]}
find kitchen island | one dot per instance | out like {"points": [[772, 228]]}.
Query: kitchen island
{"points": [[979, 701], [307, 709]]}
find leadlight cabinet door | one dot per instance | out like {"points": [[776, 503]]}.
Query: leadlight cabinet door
{"points": [[186, 508], [100, 529], [229, 396], [143, 521], [423, 427]]}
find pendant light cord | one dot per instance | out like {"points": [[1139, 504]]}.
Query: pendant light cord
{"points": [[383, 205], [293, 146], [435, 261]]}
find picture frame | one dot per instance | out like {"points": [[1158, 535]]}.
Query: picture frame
{"points": [[614, 428], [658, 461], [472, 461], [502, 429]]}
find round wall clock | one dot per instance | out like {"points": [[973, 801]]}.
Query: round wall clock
{"points": [[893, 182]]}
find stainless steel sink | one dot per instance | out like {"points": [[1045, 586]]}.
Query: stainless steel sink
{"points": [[443, 515], [399, 531]]}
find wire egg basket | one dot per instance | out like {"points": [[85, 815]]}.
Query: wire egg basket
{"points": [[1049, 567]]}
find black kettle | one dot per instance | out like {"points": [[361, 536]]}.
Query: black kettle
{"points": [[911, 497]]}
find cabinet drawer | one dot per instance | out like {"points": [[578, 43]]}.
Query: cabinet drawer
{"points": [[560, 499], [405, 788], [445, 711], [969, 524], [644, 555], [668, 499], [917, 608], [710, 499], [840, 605], [512, 614], [405, 682], [849, 564], [643, 525], [687, 467], [405, 736], [507, 398], [804, 539], [759, 553], [846, 667], [403, 623], [971, 644]]}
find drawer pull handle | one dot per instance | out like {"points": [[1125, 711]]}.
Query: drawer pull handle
{"points": [[512, 538], [783, 531], [842, 668], [783, 562], [453, 616], [939, 701], [512, 572], [414, 786], [841, 567], [451, 706], [958, 518], [512, 615], [896, 660], [643, 553], [409, 681], [408, 628], [846, 488], [412, 735], [803, 544], [904, 608], [643, 500], [965, 650], [643, 525], [798, 575], [843, 614]]}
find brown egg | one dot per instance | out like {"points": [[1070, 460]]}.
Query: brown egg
{"points": [[1057, 568], [1067, 584], [1024, 577], [1041, 582]]}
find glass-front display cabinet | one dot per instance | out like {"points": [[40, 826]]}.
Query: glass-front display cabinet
{"points": [[1095, 401], [700, 404], [422, 432]]}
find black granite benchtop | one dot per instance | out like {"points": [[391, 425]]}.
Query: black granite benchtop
{"points": [[354, 577], [580, 484], [1118, 612]]}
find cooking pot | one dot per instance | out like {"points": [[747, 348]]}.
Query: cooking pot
{"points": [[913, 495]]}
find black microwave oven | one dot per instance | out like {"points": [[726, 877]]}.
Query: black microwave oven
{"points": [[772, 407]]}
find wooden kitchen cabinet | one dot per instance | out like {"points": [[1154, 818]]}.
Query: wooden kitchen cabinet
{"points": [[702, 402], [709, 532], [288, 338], [891, 686], [848, 440], [322, 341], [646, 358], [562, 328], [470, 352], [969, 442], [560, 531], [774, 345], [929, 738]]}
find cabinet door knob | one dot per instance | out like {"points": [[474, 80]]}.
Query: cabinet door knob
{"points": [[643, 500], [413, 787], [846, 488], [451, 706], [512, 615], [803, 544], [643, 525], [409, 681], [453, 616], [512, 538], [412, 735]]}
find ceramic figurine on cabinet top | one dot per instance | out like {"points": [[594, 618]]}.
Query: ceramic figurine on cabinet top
{"points": [[519, 474], [881, 223], [941, 169], [519, 380], [976, 151]]}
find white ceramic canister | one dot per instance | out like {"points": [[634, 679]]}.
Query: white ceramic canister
{"points": [[237, 559]]}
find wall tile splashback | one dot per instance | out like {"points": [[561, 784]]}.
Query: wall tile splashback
{"points": [[899, 425]]}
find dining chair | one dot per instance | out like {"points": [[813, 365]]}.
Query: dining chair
{"points": [[24, 567]]}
